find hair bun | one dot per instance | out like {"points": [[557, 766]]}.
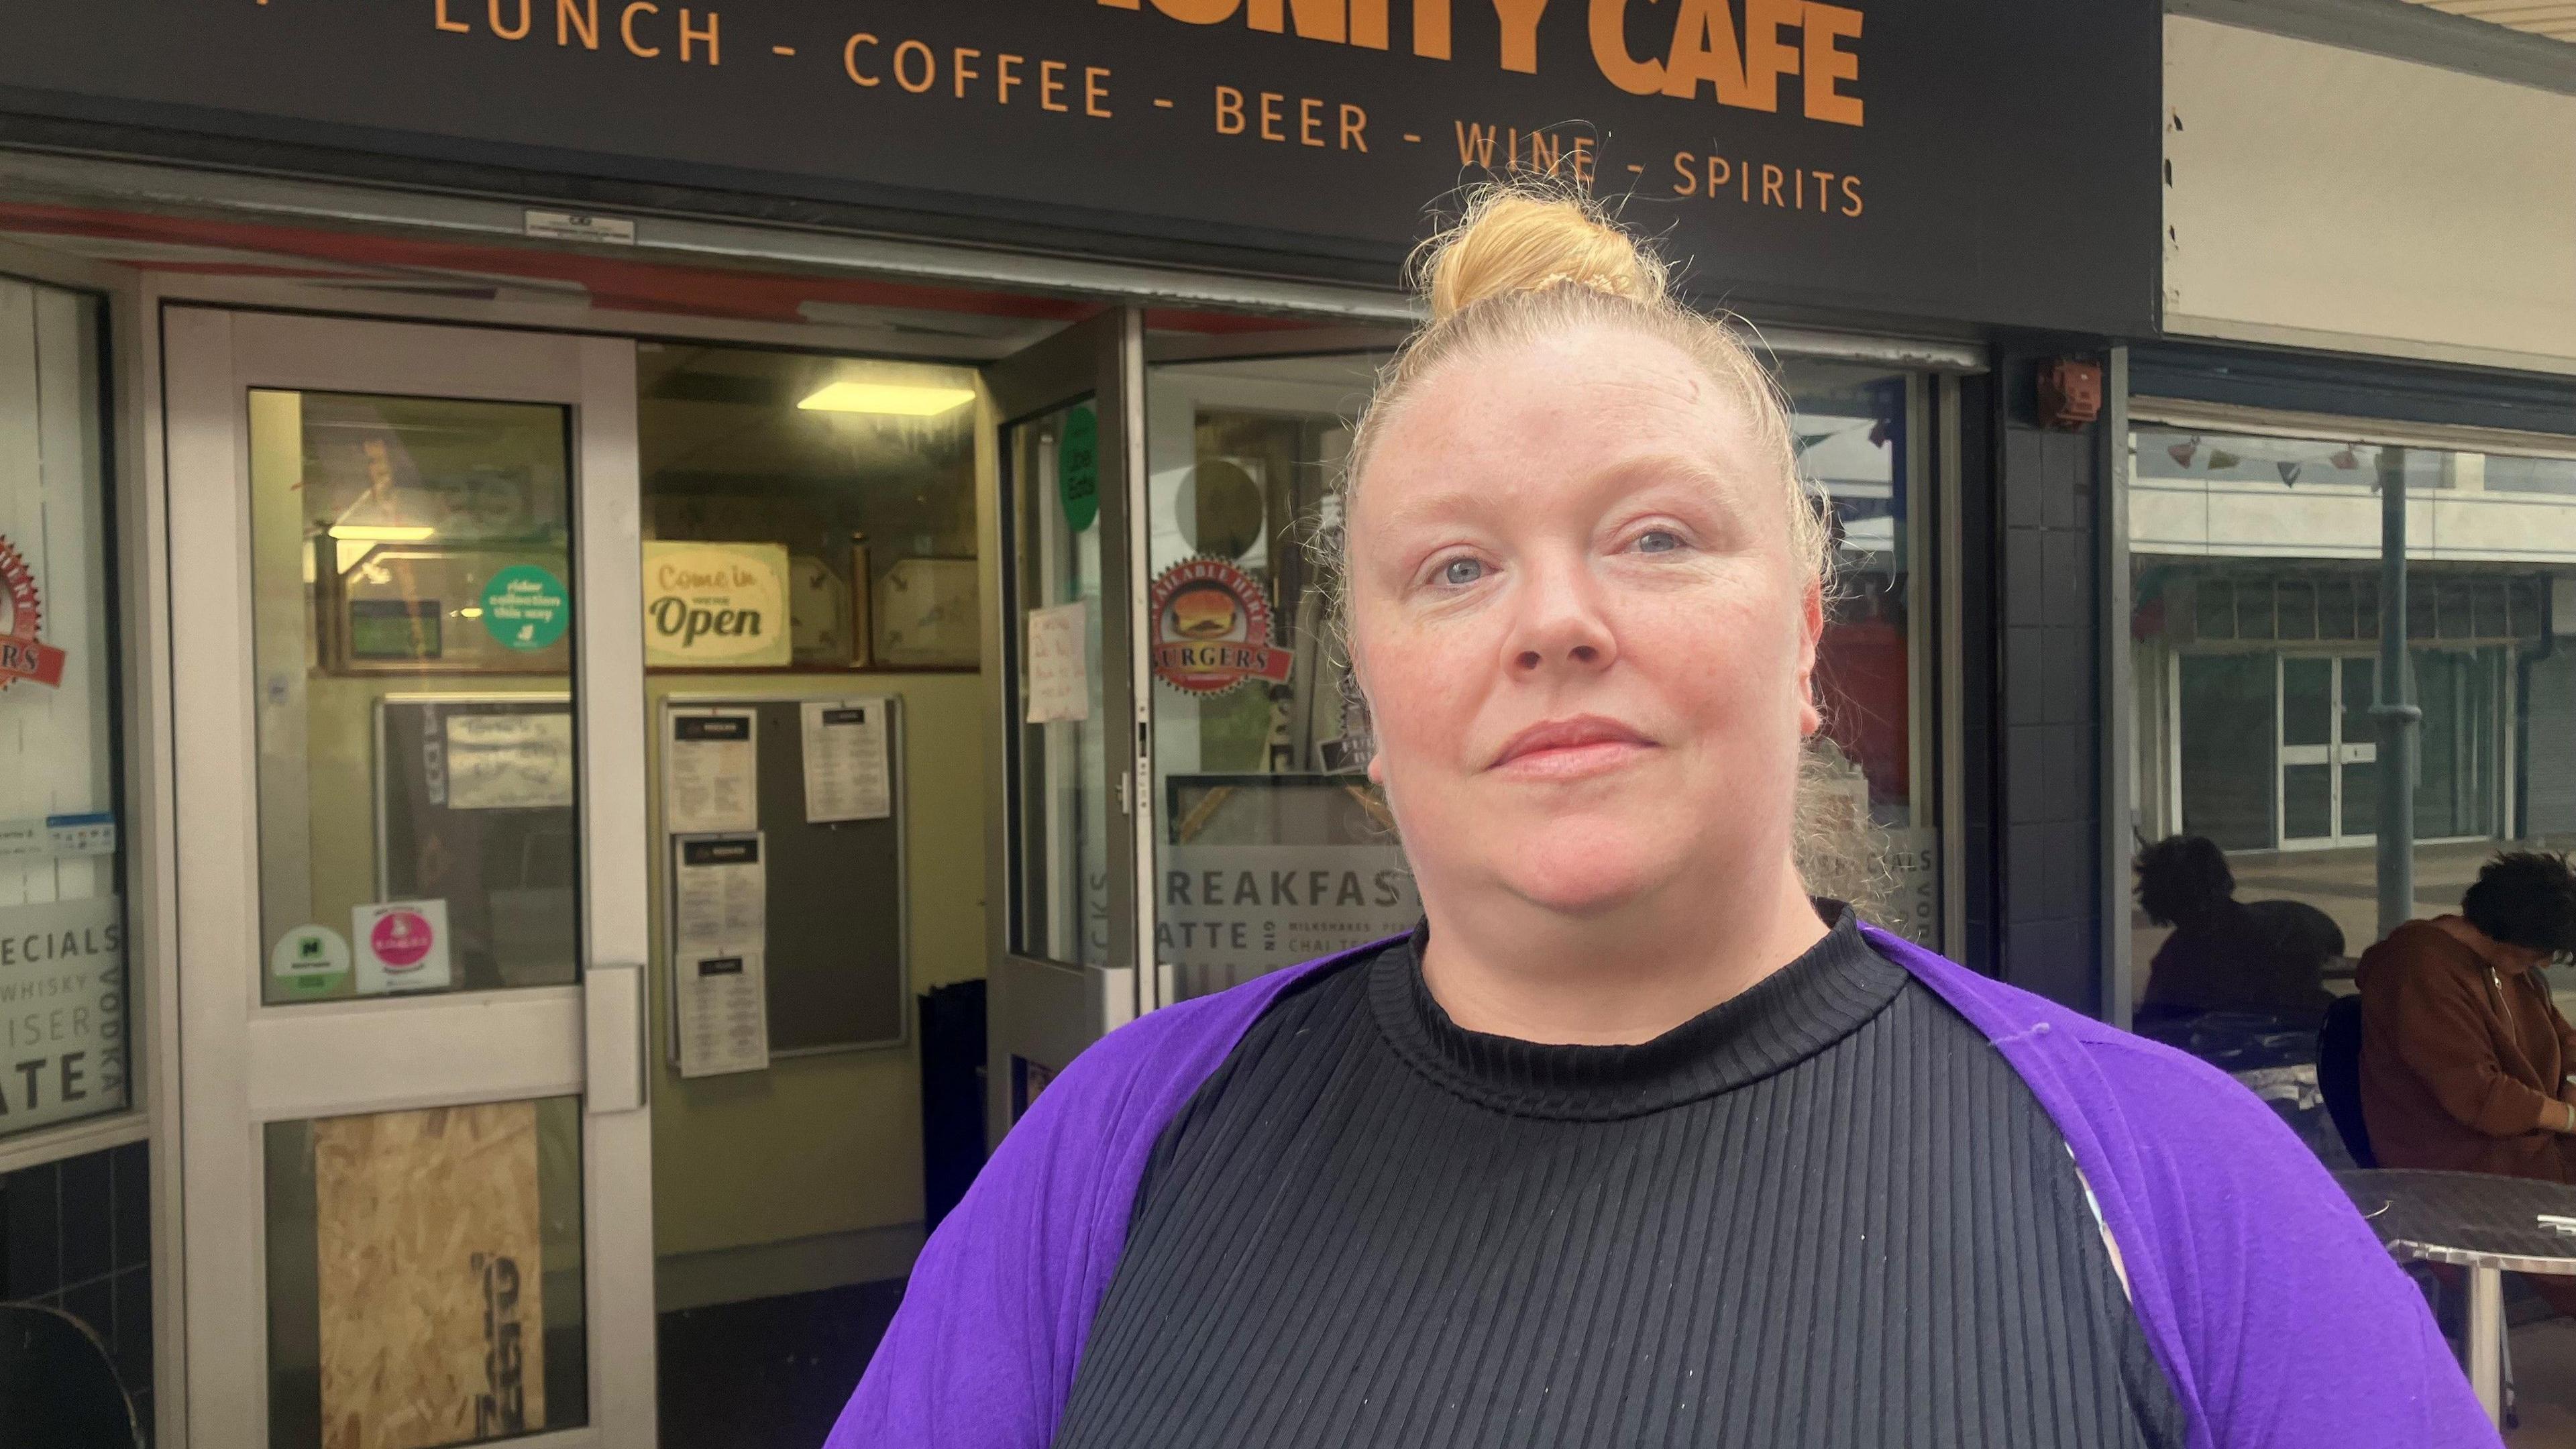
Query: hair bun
{"points": [[1517, 237]]}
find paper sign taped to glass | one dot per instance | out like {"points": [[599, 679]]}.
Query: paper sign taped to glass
{"points": [[509, 761], [1059, 688], [1233, 912]]}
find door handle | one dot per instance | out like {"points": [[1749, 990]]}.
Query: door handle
{"points": [[613, 1023]]}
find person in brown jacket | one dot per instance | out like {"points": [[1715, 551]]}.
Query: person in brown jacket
{"points": [[2464, 1057]]}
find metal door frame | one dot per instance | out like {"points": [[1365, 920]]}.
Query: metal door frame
{"points": [[247, 1063], [1048, 1011]]}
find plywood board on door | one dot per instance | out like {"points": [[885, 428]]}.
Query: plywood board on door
{"points": [[432, 1291]]}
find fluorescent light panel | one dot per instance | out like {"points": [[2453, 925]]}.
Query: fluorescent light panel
{"points": [[382, 532], [886, 399]]}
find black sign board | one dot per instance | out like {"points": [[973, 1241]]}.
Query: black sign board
{"points": [[1987, 160]]}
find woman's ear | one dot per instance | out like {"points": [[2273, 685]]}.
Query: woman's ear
{"points": [[1811, 631]]}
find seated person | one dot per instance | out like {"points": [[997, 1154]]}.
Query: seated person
{"points": [[2464, 1057], [2265, 957]]}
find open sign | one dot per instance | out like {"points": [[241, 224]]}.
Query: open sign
{"points": [[716, 605]]}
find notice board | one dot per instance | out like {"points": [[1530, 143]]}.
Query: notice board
{"points": [[836, 949]]}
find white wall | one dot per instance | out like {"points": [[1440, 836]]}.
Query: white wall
{"points": [[2328, 198]]}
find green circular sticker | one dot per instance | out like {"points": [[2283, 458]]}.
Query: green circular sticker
{"points": [[525, 608], [1077, 467], [311, 959]]}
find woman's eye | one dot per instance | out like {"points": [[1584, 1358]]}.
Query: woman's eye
{"points": [[1658, 541], [1462, 571]]}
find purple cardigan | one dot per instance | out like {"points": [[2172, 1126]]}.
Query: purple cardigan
{"points": [[2278, 1318]]}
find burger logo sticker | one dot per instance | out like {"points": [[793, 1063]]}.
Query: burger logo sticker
{"points": [[22, 654], [1212, 629]]}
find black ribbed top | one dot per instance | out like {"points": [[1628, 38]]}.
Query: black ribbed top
{"points": [[1823, 1213]]}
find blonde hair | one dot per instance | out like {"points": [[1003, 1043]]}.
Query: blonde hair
{"points": [[1527, 261]]}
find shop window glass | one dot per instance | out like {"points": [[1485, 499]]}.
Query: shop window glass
{"points": [[835, 496], [412, 605], [2257, 578], [1859, 437], [64, 1008], [1273, 848]]}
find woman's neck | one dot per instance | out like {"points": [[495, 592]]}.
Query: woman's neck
{"points": [[1519, 970]]}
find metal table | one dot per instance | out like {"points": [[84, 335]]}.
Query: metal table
{"points": [[2483, 1223]]}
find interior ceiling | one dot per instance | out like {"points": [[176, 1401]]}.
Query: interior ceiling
{"points": [[714, 412], [2553, 18]]}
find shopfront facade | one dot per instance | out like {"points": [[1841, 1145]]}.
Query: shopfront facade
{"points": [[614, 567]]}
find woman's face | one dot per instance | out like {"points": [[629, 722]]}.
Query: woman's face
{"points": [[1584, 638]]}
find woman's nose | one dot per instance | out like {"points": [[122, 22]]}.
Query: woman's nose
{"points": [[1562, 624]]}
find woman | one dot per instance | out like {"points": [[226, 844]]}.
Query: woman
{"points": [[1633, 1141]]}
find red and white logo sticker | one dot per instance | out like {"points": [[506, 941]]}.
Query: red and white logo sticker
{"points": [[401, 939], [22, 615], [1212, 629]]}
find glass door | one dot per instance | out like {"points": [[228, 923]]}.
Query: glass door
{"points": [[2329, 784], [1065, 954], [416, 1163]]}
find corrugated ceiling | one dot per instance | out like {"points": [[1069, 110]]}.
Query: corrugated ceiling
{"points": [[2553, 18]]}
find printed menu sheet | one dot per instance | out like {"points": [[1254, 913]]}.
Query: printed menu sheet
{"points": [[719, 933], [845, 761], [724, 1014], [720, 897], [711, 773]]}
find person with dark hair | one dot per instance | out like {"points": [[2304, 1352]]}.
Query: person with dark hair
{"points": [[2464, 1057], [2226, 954]]}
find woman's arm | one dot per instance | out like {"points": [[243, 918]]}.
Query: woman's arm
{"points": [[2278, 1316]]}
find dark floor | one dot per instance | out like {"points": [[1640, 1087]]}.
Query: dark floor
{"points": [[771, 1373]]}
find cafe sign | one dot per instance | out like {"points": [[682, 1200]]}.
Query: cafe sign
{"points": [[1995, 162], [715, 605], [1212, 629]]}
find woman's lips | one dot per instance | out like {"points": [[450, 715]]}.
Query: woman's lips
{"points": [[1570, 749]]}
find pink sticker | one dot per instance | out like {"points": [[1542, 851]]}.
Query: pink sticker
{"points": [[400, 939]]}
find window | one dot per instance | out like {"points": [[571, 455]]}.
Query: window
{"points": [[2258, 590], [64, 1007]]}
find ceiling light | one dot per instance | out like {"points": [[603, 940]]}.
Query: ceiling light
{"points": [[382, 532], [886, 399]]}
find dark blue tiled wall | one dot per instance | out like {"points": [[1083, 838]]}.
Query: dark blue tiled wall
{"points": [[77, 1235], [2046, 733]]}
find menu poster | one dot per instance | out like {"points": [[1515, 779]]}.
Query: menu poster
{"points": [[724, 1014], [845, 761], [711, 773], [720, 901]]}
